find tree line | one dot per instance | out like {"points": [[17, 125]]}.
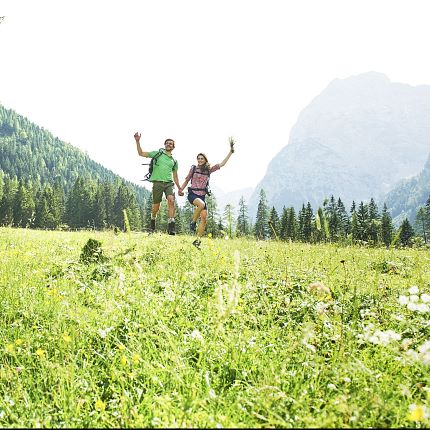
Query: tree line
{"points": [[102, 204], [332, 222]]}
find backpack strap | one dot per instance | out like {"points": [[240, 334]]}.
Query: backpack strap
{"points": [[206, 189], [152, 162]]}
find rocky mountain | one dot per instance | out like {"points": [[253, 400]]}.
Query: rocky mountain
{"points": [[356, 140]]}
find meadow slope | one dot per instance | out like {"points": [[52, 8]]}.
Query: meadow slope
{"points": [[147, 331]]}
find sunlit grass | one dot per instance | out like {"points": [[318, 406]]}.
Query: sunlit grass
{"points": [[155, 333]]}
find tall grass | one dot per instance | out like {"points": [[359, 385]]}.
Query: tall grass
{"points": [[152, 332]]}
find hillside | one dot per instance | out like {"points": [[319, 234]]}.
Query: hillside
{"points": [[404, 200], [356, 140], [28, 151]]}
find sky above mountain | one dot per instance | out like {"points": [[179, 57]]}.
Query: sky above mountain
{"points": [[94, 72]]}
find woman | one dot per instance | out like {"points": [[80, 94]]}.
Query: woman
{"points": [[199, 175]]}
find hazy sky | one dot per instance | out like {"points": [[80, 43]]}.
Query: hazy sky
{"points": [[95, 71]]}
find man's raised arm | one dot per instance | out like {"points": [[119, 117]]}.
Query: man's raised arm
{"points": [[139, 149]]}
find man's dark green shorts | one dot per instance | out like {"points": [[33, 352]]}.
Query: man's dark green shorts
{"points": [[158, 188]]}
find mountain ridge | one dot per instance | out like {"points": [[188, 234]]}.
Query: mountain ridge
{"points": [[357, 139]]}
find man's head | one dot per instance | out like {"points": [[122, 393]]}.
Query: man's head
{"points": [[169, 144]]}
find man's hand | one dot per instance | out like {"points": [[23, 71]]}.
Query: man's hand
{"points": [[180, 191], [232, 142], [137, 137]]}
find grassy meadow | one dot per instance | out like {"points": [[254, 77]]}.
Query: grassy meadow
{"points": [[147, 331]]}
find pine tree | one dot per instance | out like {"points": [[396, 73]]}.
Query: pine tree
{"points": [[292, 227], [46, 209], [362, 222], [100, 215], [8, 201], [80, 205], [212, 226], [422, 223], [427, 209], [355, 231], [109, 193], [386, 227], [305, 219], [24, 207], [261, 229], [373, 221], [284, 222], [405, 233], [274, 224], [41, 219], [331, 214], [242, 224], [343, 218], [229, 219], [309, 219]]}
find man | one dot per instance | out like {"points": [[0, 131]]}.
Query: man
{"points": [[164, 168]]}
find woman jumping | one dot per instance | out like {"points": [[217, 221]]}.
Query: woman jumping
{"points": [[199, 176]]}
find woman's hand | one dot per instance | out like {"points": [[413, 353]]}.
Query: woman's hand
{"points": [[232, 142]]}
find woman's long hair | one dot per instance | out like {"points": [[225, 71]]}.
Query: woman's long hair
{"points": [[206, 166]]}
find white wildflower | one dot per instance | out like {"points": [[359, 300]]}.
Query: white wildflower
{"points": [[208, 382], [104, 332], [309, 346], [414, 298], [425, 298], [373, 339], [212, 394], [423, 308], [414, 290], [379, 337], [412, 306], [403, 300], [321, 307], [331, 386], [195, 334], [413, 354], [425, 347], [121, 280], [406, 343], [423, 353]]}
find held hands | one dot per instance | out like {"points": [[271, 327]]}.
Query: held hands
{"points": [[180, 191], [232, 142]]}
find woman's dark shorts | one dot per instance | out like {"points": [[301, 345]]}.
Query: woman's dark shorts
{"points": [[192, 196]]}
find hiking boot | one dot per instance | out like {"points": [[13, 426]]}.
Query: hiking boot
{"points": [[197, 243], [192, 226], [152, 226], [171, 228]]}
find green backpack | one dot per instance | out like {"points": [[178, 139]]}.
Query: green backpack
{"points": [[154, 161]]}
